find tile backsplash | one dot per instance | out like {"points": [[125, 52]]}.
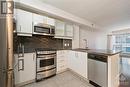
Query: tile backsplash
{"points": [[30, 43]]}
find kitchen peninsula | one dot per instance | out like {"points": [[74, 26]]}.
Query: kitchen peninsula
{"points": [[103, 67]]}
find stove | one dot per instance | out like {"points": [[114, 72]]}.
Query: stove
{"points": [[45, 63]]}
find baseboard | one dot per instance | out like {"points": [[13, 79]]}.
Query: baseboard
{"points": [[25, 83], [68, 69], [32, 81], [83, 78], [61, 71]]}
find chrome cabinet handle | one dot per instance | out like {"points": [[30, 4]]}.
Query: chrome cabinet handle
{"points": [[21, 65], [23, 51], [33, 57], [18, 52], [20, 48]]}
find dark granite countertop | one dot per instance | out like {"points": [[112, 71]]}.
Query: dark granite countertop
{"points": [[31, 50], [98, 51], [63, 49], [127, 55], [94, 51]]}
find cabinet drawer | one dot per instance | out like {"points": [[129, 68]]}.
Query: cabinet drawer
{"points": [[61, 61], [61, 67], [60, 56], [61, 52]]}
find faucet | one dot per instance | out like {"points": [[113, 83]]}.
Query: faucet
{"points": [[85, 40]]}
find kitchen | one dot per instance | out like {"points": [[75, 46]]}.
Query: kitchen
{"points": [[52, 47]]}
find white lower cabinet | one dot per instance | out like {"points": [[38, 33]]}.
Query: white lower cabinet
{"points": [[25, 68], [82, 64], [71, 60], [61, 61], [76, 61]]}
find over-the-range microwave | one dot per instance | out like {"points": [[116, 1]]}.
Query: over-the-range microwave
{"points": [[44, 29]]}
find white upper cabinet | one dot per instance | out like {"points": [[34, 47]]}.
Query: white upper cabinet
{"points": [[63, 30], [69, 30], [37, 19], [51, 21], [43, 19], [24, 22], [59, 29]]}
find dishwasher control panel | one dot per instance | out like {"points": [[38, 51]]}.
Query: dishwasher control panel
{"points": [[98, 57]]}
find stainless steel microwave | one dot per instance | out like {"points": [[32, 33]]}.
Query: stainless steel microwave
{"points": [[44, 30]]}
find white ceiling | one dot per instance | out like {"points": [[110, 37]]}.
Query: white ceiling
{"points": [[105, 13]]}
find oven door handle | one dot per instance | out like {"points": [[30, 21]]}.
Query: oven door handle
{"points": [[45, 58]]}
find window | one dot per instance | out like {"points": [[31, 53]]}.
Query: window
{"points": [[122, 42]]}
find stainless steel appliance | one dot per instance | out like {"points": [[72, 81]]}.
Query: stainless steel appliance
{"points": [[6, 47], [45, 63], [97, 70], [44, 29]]}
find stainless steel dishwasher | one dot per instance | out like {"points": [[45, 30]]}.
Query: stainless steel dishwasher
{"points": [[97, 70]]}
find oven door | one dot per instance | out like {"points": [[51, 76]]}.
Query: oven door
{"points": [[46, 62]]}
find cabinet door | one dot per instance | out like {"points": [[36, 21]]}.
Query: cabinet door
{"points": [[69, 30], [77, 61], [27, 73], [71, 60], [51, 21], [59, 28], [29, 67], [82, 64], [24, 22], [37, 19]]}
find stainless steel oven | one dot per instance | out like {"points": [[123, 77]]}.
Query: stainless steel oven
{"points": [[45, 63]]}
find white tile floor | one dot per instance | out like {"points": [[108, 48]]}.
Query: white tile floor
{"points": [[66, 79]]}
